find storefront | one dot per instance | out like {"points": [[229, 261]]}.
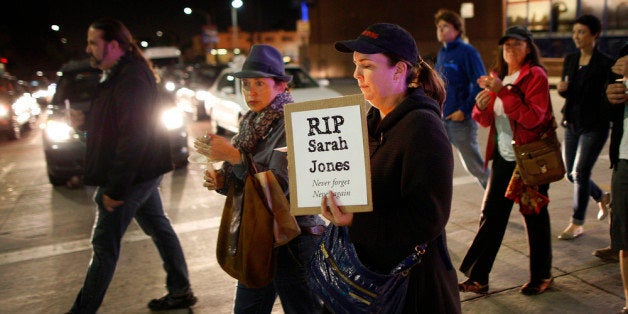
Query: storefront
{"points": [[551, 21]]}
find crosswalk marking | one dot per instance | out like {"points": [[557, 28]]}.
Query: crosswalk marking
{"points": [[85, 244], [132, 236]]}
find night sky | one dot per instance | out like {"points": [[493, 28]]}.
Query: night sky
{"points": [[30, 45]]}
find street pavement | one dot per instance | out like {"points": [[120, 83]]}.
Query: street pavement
{"points": [[45, 243]]}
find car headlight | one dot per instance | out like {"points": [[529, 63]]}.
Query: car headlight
{"points": [[172, 118], [4, 110], [170, 86], [202, 95], [42, 93], [185, 104], [185, 92], [58, 131], [210, 100]]}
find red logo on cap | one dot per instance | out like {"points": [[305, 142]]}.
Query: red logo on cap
{"points": [[368, 33]]}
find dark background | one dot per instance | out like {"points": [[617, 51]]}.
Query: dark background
{"points": [[29, 44]]}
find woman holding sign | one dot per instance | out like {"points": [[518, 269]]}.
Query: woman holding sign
{"points": [[264, 88], [411, 167]]}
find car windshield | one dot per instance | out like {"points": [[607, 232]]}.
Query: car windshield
{"points": [[76, 86], [300, 79], [227, 80], [202, 75]]}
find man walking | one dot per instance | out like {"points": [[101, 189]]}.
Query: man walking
{"points": [[460, 65], [127, 154]]}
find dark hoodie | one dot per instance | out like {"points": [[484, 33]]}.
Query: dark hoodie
{"points": [[411, 172], [617, 119]]}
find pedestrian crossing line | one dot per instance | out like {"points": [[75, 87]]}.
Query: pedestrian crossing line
{"points": [[57, 249]]}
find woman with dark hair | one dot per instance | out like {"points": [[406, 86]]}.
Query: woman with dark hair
{"points": [[585, 119], [411, 167], [515, 105]]}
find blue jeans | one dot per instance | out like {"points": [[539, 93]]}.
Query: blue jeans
{"points": [[580, 152], [290, 283], [143, 203], [464, 136]]}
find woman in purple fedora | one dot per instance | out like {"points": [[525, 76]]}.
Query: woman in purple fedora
{"points": [[265, 90]]}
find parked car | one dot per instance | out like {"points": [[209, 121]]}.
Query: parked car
{"points": [[166, 61], [64, 147], [18, 108], [225, 106]]}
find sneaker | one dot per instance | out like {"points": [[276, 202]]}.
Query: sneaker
{"points": [[607, 254], [172, 302], [603, 205]]}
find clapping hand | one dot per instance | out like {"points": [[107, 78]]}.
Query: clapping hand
{"points": [[490, 82], [482, 99]]}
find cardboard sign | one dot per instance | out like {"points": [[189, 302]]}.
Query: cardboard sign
{"points": [[328, 151]]}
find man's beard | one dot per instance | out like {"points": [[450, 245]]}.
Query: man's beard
{"points": [[94, 62]]}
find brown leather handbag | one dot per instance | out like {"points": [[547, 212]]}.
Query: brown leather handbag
{"points": [[540, 162], [245, 245], [285, 226], [256, 218]]}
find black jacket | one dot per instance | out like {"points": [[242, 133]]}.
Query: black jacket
{"points": [[586, 108], [617, 119], [126, 143], [411, 171]]}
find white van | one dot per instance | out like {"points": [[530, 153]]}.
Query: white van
{"points": [[163, 56]]}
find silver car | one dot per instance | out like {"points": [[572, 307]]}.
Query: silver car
{"points": [[225, 105]]}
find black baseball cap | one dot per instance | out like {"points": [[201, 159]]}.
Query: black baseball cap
{"points": [[381, 38], [517, 32]]}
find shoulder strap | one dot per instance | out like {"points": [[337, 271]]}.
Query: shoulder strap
{"points": [[247, 159], [552, 124]]}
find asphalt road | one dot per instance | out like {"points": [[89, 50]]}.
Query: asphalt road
{"points": [[45, 243]]}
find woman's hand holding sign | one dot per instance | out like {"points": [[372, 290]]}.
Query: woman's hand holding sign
{"points": [[333, 213]]}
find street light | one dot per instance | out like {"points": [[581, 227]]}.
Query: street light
{"points": [[56, 28], [189, 11], [235, 5]]}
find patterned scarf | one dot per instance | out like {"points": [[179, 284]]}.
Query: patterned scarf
{"points": [[528, 197], [256, 126]]}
